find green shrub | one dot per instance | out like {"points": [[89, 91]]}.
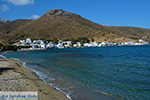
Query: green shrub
{"points": [[1, 45], [55, 40], [9, 48]]}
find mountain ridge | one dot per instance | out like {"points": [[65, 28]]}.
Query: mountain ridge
{"points": [[60, 24], [3, 21]]}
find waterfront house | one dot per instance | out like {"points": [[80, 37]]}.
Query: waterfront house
{"points": [[28, 41], [77, 45], [38, 44], [67, 44], [103, 44], [86, 44], [143, 42], [94, 44], [60, 44], [50, 45], [23, 42]]}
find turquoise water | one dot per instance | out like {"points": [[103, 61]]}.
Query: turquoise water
{"points": [[105, 73]]}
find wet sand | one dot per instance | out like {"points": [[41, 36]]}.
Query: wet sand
{"points": [[15, 77]]}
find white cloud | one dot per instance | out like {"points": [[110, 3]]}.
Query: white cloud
{"points": [[34, 17], [3, 8], [21, 2]]}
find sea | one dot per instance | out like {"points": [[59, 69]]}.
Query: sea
{"points": [[104, 73]]}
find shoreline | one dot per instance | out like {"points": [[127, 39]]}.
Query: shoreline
{"points": [[16, 77]]}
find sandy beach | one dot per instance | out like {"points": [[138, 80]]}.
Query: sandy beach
{"points": [[15, 77]]}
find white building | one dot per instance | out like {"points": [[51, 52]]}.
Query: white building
{"points": [[50, 45], [67, 44], [38, 44], [60, 44], [143, 42], [77, 45], [138, 44], [42, 44], [86, 45], [28, 41], [63, 44], [23, 43], [36, 41], [94, 44], [103, 44], [60, 41]]}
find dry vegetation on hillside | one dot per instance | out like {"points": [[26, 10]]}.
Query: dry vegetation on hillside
{"points": [[64, 25]]}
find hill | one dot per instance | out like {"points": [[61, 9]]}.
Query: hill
{"points": [[59, 24], [132, 32], [65, 25], [7, 28]]}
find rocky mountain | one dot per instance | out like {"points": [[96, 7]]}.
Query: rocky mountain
{"points": [[60, 24], [3, 21]]}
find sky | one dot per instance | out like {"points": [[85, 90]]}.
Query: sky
{"points": [[132, 13]]}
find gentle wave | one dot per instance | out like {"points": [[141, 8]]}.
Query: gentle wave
{"points": [[40, 74], [118, 72]]}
